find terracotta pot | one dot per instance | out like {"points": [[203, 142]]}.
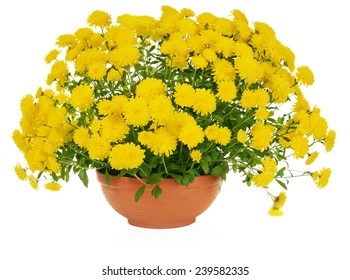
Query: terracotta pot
{"points": [[176, 207]]}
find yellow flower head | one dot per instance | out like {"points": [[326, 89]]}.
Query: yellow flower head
{"points": [[280, 200], [99, 18], [312, 157], [321, 178], [21, 173], [267, 173], [184, 95], [241, 136], [53, 186], [160, 142], [223, 71], [196, 155], [52, 55], [136, 112], [304, 75], [150, 88], [275, 212], [191, 135], [33, 182], [220, 135], [227, 91], [329, 141], [261, 135], [204, 102], [82, 97], [126, 156]]}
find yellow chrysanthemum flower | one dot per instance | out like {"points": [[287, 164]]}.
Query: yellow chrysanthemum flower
{"points": [[261, 135], [53, 186], [98, 146], [66, 40], [312, 157], [33, 182], [300, 145], [52, 55], [275, 212], [196, 155], [280, 200], [305, 75], [81, 136], [82, 97], [136, 112], [59, 72], [330, 140], [160, 142], [20, 172], [242, 136], [223, 70], [124, 55], [126, 156], [191, 135], [97, 70], [227, 91], [220, 135], [262, 113], [249, 69], [321, 178], [267, 173], [251, 99], [99, 18], [184, 95], [199, 61], [204, 102], [150, 88]]}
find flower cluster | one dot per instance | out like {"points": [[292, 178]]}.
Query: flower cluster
{"points": [[179, 96]]}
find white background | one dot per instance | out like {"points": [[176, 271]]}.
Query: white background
{"points": [[74, 234]]}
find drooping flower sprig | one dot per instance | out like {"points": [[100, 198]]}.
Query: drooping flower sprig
{"points": [[179, 96]]}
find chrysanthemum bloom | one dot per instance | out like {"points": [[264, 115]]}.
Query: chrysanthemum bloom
{"points": [[241, 136], [126, 156], [82, 97], [329, 141], [196, 155], [53, 186], [311, 158], [184, 95], [321, 178], [227, 91], [220, 135], [267, 173], [99, 18], [21, 173], [305, 75]]}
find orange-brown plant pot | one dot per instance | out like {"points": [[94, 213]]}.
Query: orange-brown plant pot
{"points": [[177, 206]]}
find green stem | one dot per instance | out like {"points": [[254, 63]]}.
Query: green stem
{"points": [[163, 160]]}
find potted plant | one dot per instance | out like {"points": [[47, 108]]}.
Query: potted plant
{"points": [[170, 106]]}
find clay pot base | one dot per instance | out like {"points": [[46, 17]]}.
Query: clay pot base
{"points": [[177, 206]]}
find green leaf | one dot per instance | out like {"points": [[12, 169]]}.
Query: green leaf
{"points": [[216, 171], [177, 178], [220, 170], [205, 166], [280, 172], [107, 178], [282, 184], [156, 192], [139, 193], [84, 177], [186, 180], [121, 174], [155, 178]]}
